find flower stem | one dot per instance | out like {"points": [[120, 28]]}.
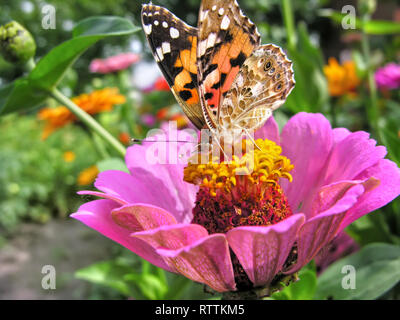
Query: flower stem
{"points": [[372, 105], [287, 12], [88, 120]]}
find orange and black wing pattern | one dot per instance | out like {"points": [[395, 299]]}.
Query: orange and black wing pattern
{"points": [[226, 38], [174, 46]]}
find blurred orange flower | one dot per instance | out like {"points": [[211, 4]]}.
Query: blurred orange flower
{"points": [[181, 120], [342, 79], [94, 102], [124, 138], [162, 114], [88, 175], [69, 156]]}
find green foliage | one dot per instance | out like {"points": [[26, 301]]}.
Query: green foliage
{"points": [[377, 270], [50, 69], [310, 93], [373, 27], [303, 289], [134, 278], [35, 181], [112, 164]]}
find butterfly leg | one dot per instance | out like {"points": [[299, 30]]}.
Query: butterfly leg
{"points": [[251, 138], [215, 137]]}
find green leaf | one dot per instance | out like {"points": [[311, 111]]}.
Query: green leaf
{"points": [[112, 164], [374, 27], [107, 273], [150, 285], [51, 67], [303, 289], [20, 95], [32, 90], [389, 130], [378, 27], [377, 269], [104, 26]]}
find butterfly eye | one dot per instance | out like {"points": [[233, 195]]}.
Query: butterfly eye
{"points": [[267, 66]]}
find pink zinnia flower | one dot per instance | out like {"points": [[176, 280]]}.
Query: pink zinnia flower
{"points": [[388, 77], [114, 63], [338, 177]]}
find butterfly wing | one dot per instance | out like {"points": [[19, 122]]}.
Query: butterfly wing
{"points": [[174, 44], [226, 38], [262, 85]]}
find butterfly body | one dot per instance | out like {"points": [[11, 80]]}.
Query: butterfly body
{"points": [[221, 75]]}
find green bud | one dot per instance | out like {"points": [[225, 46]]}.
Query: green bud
{"points": [[16, 43]]}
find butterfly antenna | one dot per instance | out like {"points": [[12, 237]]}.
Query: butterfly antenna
{"points": [[252, 139], [145, 140]]}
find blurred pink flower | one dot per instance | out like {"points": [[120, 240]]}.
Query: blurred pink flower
{"points": [[148, 119], [341, 246], [338, 177], [114, 63], [388, 77]]}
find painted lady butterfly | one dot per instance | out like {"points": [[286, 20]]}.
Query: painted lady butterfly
{"points": [[221, 75]]}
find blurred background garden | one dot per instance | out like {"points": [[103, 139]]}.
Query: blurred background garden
{"points": [[348, 71]]}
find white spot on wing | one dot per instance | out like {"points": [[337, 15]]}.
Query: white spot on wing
{"points": [[225, 23], [214, 7], [166, 47], [160, 53], [174, 33], [221, 11], [147, 28], [156, 22], [203, 15], [165, 25]]}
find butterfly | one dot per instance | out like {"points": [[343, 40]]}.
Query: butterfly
{"points": [[220, 73]]}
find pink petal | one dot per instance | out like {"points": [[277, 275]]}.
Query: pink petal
{"points": [[388, 174], [97, 215], [351, 156], [189, 250], [328, 195], [165, 176], [207, 261], [142, 217], [172, 237], [307, 141], [321, 229], [135, 189], [262, 251], [269, 131], [339, 134], [103, 195]]}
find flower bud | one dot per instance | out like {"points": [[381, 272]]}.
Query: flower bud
{"points": [[16, 43]]}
